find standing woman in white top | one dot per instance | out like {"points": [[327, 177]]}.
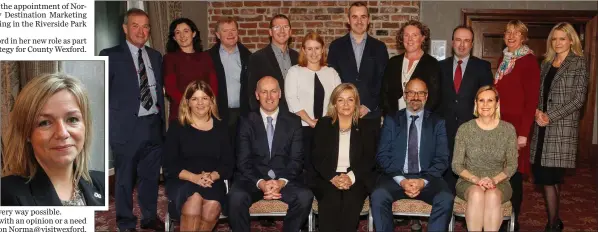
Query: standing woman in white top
{"points": [[414, 39], [308, 86]]}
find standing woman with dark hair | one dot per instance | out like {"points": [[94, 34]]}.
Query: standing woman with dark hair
{"points": [[563, 92], [185, 62], [518, 83]]}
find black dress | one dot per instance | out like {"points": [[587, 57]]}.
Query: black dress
{"points": [[196, 151], [546, 175]]}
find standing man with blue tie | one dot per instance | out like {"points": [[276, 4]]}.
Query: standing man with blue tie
{"points": [[136, 120], [413, 155], [269, 162], [461, 76]]}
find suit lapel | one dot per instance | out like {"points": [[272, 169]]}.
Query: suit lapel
{"points": [[92, 197], [274, 62], [426, 134], [350, 53], [131, 69], [448, 74], [260, 129], [559, 73], [43, 191], [354, 148], [402, 137], [279, 131]]}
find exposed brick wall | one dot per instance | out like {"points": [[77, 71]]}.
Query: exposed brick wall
{"points": [[326, 17]]}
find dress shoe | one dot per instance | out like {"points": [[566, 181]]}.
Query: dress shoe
{"points": [[156, 224]]}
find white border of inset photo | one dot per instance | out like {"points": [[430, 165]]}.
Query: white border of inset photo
{"points": [[106, 132]]}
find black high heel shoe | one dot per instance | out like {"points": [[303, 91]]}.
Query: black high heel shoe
{"points": [[558, 226]]}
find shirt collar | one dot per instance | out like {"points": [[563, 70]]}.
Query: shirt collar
{"points": [[456, 59], [365, 37], [274, 115], [134, 49], [223, 50], [409, 113], [278, 50]]}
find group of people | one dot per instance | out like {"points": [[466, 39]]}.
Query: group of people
{"points": [[340, 124]]}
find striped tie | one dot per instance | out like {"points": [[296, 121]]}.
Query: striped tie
{"points": [[146, 97]]}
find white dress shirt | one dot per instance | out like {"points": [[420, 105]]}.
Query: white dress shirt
{"points": [[299, 88]]}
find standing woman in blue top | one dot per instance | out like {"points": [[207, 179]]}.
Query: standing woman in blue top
{"points": [[198, 157]]}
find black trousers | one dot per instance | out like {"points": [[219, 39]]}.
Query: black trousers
{"points": [[516, 182], [338, 210], [138, 162], [244, 193], [308, 169]]}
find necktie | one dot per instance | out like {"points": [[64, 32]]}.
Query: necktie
{"points": [[318, 98], [412, 147], [270, 134], [458, 76], [146, 97]]}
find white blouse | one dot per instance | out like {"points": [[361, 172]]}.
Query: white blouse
{"points": [[405, 77], [299, 88], [344, 147]]}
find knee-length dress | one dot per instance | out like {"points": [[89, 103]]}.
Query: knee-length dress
{"points": [[485, 153], [196, 151]]}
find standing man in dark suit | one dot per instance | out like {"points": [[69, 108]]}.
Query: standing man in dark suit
{"points": [[136, 119], [461, 77], [230, 61], [413, 155], [269, 162], [274, 60], [361, 59]]}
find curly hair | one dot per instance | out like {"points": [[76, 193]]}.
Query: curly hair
{"points": [[423, 29], [173, 46]]}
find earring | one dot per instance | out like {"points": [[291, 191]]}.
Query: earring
{"points": [[28, 140]]}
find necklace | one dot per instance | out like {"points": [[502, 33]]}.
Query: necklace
{"points": [[344, 131]]}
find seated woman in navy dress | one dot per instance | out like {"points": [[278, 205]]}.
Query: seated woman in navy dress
{"points": [[198, 158]]}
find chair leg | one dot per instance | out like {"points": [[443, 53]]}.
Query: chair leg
{"points": [[370, 221], [310, 221], [512, 221], [452, 223], [167, 222]]}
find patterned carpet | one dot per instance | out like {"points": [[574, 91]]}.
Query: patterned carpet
{"points": [[579, 210]]}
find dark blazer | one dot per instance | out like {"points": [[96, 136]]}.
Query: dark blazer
{"points": [[253, 155], [123, 98], [263, 63], [427, 69], [433, 151], [324, 156], [457, 108], [369, 77], [16, 191], [222, 90], [566, 98]]}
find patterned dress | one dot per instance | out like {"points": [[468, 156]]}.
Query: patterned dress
{"points": [[485, 153]]}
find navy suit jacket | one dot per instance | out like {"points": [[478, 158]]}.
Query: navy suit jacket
{"points": [[457, 108], [222, 89], [371, 70], [253, 155], [124, 97], [263, 63], [433, 150]]}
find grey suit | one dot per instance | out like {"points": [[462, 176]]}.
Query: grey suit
{"points": [[565, 99]]}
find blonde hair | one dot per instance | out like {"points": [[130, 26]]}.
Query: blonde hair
{"points": [[315, 37], [184, 109], [19, 158], [335, 94], [480, 91], [571, 34], [519, 26]]}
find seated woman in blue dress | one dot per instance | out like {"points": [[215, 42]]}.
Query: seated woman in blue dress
{"points": [[198, 158]]}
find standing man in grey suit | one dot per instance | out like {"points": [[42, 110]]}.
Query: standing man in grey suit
{"points": [[461, 76], [136, 121]]}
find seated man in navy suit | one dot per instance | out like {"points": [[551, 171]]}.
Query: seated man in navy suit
{"points": [[269, 162], [413, 154]]}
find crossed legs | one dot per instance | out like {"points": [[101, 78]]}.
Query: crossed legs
{"points": [[483, 209], [199, 214]]}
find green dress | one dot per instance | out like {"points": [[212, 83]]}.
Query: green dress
{"points": [[485, 153]]}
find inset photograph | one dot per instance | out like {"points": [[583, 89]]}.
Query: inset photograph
{"points": [[53, 143]]}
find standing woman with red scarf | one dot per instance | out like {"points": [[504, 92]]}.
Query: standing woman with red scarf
{"points": [[518, 83]]}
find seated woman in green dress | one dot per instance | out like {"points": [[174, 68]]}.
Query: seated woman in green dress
{"points": [[485, 157]]}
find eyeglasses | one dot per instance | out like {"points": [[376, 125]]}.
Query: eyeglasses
{"points": [[515, 33], [419, 94], [278, 27]]}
